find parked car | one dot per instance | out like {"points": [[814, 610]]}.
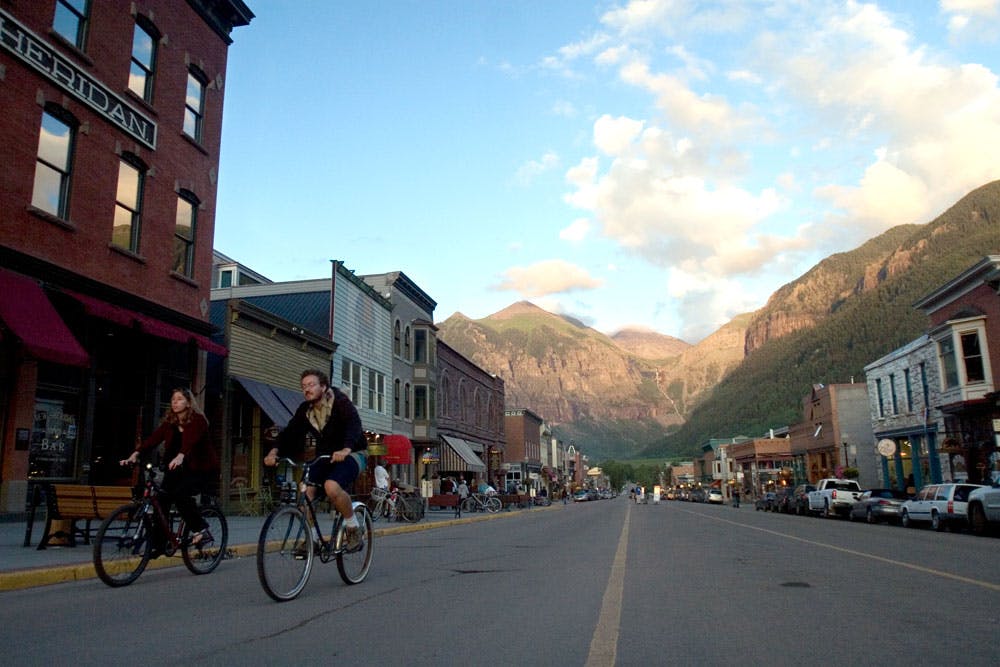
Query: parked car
{"points": [[876, 505], [984, 509], [783, 501], [765, 502], [715, 496], [580, 496], [698, 495], [800, 498], [941, 505]]}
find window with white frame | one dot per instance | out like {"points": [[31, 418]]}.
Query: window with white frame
{"points": [[420, 346], [949, 365], [376, 391], [350, 378]]}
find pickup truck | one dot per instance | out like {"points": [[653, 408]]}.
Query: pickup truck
{"points": [[833, 496]]}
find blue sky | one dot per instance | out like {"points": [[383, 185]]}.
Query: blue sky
{"points": [[660, 164]]}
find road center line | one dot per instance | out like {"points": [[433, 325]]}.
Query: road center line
{"points": [[891, 561], [604, 644]]}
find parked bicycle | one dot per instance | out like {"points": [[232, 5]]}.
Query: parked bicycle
{"points": [[290, 541], [480, 502], [125, 539], [395, 506]]}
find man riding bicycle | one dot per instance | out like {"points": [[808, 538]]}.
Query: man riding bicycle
{"points": [[329, 417]]}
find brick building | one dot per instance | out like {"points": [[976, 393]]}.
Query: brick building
{"points": [[112, 117]]}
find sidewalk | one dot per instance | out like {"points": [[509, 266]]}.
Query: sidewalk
{"points": [[27, 567]]}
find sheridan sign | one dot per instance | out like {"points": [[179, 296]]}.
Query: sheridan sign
{"points": [[27, 46]]}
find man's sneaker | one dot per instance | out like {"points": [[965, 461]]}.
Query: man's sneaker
{"points": [[353, 540]]}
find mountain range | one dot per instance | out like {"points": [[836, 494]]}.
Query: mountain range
{"points": [[639, 393]]}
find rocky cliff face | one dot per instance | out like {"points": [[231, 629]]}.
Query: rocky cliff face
{"points": [[567, 372]]}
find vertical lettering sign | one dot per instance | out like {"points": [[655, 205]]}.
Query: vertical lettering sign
{"points": [[27, 46]]}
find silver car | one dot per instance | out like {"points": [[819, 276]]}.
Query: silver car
{"points": [[876, 505], [939, 505]]}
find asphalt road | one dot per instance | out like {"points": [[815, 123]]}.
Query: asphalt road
{"points": [[599, 583]]}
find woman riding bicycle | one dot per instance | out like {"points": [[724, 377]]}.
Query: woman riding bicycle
{"points": [[330, 418], [193, 466]]}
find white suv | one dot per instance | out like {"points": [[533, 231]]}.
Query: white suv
{"points": [[939, 504], [984, 509]]}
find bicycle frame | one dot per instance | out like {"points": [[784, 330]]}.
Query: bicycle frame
{"points": [[308, 505]]}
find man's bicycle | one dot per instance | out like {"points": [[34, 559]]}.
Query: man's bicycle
{"points": [[480, 502], [288, 544], [125, 540]]}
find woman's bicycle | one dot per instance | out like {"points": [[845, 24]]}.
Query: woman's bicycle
{"points": [[480, 502], [288, 543], [125, 540]]}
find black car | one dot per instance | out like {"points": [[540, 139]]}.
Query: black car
{"points": [[800, 498], [784, 501]]}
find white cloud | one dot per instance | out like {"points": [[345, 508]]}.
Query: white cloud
{"points": [[530, 170], [613, 136], [576, 231], [547, 277]]}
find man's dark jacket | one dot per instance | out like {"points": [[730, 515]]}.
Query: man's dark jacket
{"points": [[343, 429]]}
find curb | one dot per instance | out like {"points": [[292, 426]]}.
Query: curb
{"points": [[58, 574]]}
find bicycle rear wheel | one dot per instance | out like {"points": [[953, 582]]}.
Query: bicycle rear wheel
{"points": [[354, 566], [407, 510], [284, 553], [205, 556], [122, 546]]}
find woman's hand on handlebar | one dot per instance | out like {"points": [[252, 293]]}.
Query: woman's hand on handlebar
{"points": [[131, 460], [271, 459]]}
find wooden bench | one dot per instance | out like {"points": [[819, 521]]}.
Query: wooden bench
{"points": [[79, 502], [443, 500]]}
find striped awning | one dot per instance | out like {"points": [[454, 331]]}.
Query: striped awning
{"points": [[457, 456]]}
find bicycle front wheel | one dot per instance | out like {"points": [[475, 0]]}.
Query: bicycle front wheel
{"points": [[122, 546], [205, 556], [284, 553], [493, 505], [354, 565]]}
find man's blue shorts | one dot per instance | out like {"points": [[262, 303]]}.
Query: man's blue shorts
{"points": [[343, 472]]}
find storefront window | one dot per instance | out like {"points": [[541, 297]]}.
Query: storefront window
{"points": [[52, 452]]}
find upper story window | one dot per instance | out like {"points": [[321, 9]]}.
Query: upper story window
{"points": [[396, 343], [140, 74], [395, 398], [949, 366], [350, 377], [406, 401], [128, 204], [892, 394], [376, 391], [70, 21], [420, 402], [972, 356], [184, 231], [194, 104], [406, 345], [53, 167], [420, 346], [909, 389], [226, 277], [879, 397]]}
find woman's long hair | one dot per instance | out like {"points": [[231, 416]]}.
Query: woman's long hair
{"points": [[172, 418]]}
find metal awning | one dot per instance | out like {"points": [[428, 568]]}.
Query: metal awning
{"points": [[274, 401], [466, 458]]}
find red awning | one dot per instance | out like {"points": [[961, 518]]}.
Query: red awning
{"points": [[398, 450], [29, 314], [152, 326]]}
